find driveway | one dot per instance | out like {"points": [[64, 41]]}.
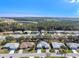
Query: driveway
{"points": [[74, 51], [47, 50], [56, 51], [20, 51], [37, 54], [11, 51], [31, 57], [38, 50]]}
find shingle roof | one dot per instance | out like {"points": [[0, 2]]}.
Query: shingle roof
{"points": [[27, 45], [57, 45], [43, 44], [12, 45]]}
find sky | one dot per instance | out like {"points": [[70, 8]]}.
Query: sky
{"points": [[48, 8]]}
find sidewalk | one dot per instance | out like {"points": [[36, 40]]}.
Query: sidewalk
{"points": [[74, 51], [11, 51], [38, 50], [20, 51]]}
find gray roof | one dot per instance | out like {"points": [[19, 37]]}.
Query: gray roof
{"points": [[73, 45], [16, 35], [12, 45], [43, 44], [57, 45]]}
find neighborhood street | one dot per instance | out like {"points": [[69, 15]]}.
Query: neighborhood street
{"points": [[37, 54]]}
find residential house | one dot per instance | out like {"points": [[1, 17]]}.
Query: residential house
{"points": [[11, 46], [73, 45], [43, 44], [57, 46], [26, 45]]}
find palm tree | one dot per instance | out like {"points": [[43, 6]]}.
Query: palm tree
{"points": [[63, 50], [47, 37]]}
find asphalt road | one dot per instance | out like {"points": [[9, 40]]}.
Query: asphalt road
{"points": [[37, 54]]}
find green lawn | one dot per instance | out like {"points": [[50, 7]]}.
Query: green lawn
{"points": [[78, 51], [32, 51], [1, 46], [51, 57], [43, 50], [69, 51], [29, 51], [4, 51], [25, 51], [55, 57], [52, 51]]}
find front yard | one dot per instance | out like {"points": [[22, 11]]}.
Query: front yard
{"points": [[52, 51], [69, 51], [55, 57], [43, 50], [4, 51], [29, 51], [78, 51]]}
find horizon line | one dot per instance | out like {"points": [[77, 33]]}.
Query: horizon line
{"points": [[34, 15]]}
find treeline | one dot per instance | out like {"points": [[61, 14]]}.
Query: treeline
{"points": [[45, 25], [43, 18]]}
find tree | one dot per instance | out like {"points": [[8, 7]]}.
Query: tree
{"points": [[21, 39], [10, 39], [63, 50], [47, 37], [40, 28], [3, 42], [2, 29]]}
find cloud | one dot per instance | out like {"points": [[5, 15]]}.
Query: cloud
{"points": [[77, 13], [73, 1]]}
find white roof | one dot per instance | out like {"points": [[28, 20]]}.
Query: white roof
{"points": [[2, 37], [43, 43], [12, 45], [16, 35], [73, 45], [57, 45]]}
